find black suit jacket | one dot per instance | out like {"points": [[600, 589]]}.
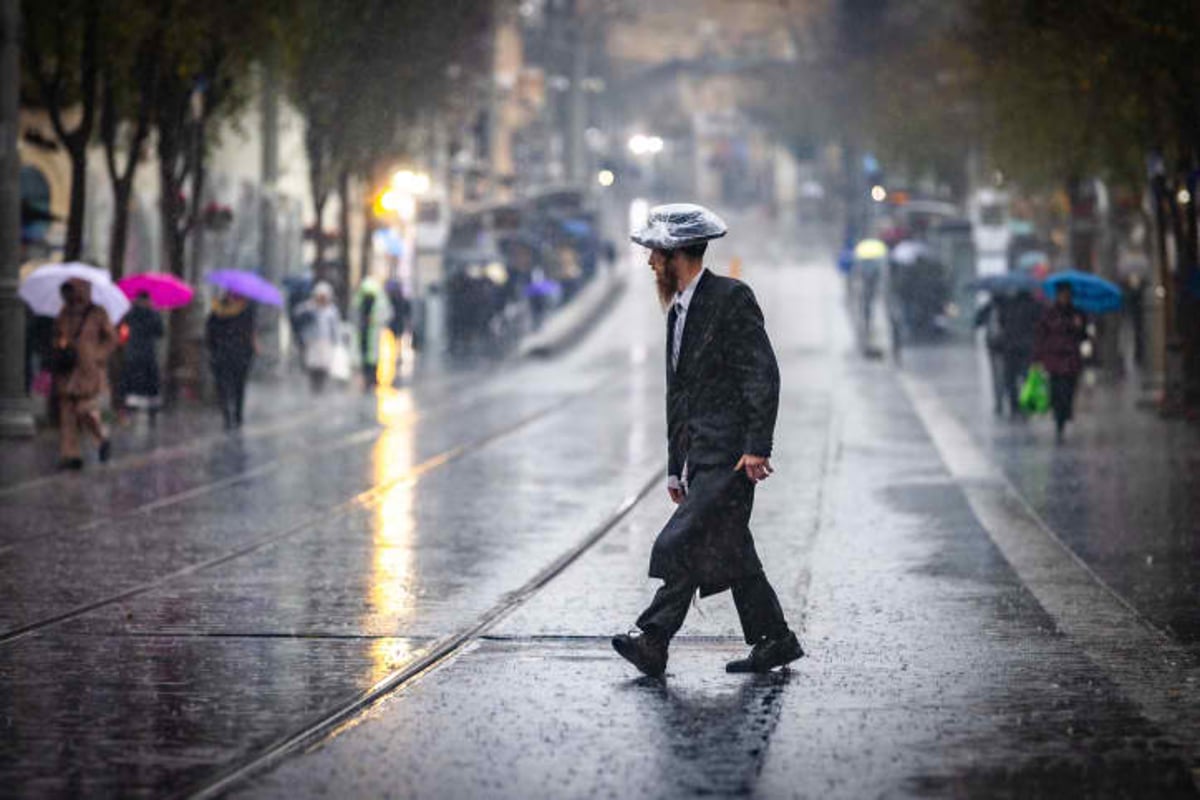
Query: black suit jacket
{"points": [[723, 397]]}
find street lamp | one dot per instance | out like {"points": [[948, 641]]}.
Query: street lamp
{"points": [[642, 145], [410, 182]]}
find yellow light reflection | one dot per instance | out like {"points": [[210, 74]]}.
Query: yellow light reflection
{"points": [[390, 590], [385, 373]]}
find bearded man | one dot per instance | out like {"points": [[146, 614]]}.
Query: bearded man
{"points": [[722, 400]]}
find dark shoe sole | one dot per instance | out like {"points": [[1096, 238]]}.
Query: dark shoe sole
{"points": [[632, 654], [743, 665]]}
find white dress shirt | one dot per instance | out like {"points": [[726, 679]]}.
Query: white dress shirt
{"points": [[681, 302]]}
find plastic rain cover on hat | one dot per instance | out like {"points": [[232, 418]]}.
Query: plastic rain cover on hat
{"points": [[678, 225]]}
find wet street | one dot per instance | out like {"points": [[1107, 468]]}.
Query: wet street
{"points": [[412, 595]]}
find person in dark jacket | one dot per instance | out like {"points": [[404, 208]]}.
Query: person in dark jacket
{"points": [[229, 334], [1060, 332], [140, 382], [722, 400], [1011, 324]]}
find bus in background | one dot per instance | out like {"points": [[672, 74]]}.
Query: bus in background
{"points": [[990, 231]]}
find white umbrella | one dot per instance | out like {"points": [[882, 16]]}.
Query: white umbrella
{"points": [[41, 289], [909, 252]]}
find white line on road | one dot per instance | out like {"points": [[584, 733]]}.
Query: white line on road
{"points": [[1150, 668]]}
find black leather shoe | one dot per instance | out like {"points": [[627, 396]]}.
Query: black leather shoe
{"points": [[105, 451], [768, 654], [645, 652], [71, 464]]}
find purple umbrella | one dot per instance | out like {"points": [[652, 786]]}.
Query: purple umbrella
{"points": [[542, 288], [246, 284]]}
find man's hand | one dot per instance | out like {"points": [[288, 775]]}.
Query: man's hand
{"points": [[757, 468], [675, 489]]}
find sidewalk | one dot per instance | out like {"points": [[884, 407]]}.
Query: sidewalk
{"points": [[275, 403], [1123, 492]]}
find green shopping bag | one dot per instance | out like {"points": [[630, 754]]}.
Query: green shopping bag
{"points": [[1035, 392]]}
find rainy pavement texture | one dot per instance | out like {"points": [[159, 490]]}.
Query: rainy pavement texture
{"points": [[173, 618]]}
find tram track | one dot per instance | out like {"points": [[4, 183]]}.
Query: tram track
{"points": [[348, 439], [364, 498], [212, 441], [439, 653]]}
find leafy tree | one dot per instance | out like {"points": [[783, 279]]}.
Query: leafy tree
{"points": [[61, 43], [363, 74], [128, 80]]}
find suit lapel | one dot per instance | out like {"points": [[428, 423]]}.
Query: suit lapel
{"points": [[670, 343], [699, 315]]}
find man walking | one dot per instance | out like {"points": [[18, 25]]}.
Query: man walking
{"points": [[722, 399]]}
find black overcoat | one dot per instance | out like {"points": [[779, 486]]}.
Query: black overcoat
{"points": [[139, 374], [722, 401]]}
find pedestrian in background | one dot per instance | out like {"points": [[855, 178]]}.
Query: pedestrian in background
{"points": [[722, 400], [140, 382], [374, 313], [401, 318], [229, 335], [1061, 331], [320, 331], [84, 338], [1011, 326]]}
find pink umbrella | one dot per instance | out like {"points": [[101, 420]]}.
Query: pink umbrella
{"points": [[165, 290]]}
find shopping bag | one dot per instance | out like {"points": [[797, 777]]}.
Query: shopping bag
{"points": [[339, 361], [1035, 392]]}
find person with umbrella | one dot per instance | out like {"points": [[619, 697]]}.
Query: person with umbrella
{"points": [[140, 383], [229, 335], [1011, 319], [1060, 332], [722, 400], [84, 338]]}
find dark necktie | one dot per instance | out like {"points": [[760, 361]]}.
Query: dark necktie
{"points": [[673, 340]]}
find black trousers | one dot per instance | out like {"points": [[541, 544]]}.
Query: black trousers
{"points": [[1062, 398], [231, 390], [757, 606]]}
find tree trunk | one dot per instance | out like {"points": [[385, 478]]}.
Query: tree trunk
{"points": [[120, 228], [319, 201], [75, 141], [344, 228], [73, 246], [122, 178], [366, 245]]}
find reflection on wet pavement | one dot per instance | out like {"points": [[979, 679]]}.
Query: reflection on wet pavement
{"points": [[217, 611]]}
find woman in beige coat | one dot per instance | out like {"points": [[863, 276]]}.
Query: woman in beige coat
{"points": [[84, 326]]}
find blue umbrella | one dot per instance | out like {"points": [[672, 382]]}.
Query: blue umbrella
{"points": [[1005, 283], [1089, 293]]}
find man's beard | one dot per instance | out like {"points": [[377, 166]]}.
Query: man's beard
{"points": [[667, 285]]}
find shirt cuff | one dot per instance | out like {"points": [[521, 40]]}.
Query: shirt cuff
{"points": [[674, 484]]}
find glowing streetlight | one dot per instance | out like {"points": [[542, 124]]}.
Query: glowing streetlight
{"points": [[410, 182], [606, 178], [641, 145], [878, 194]]}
